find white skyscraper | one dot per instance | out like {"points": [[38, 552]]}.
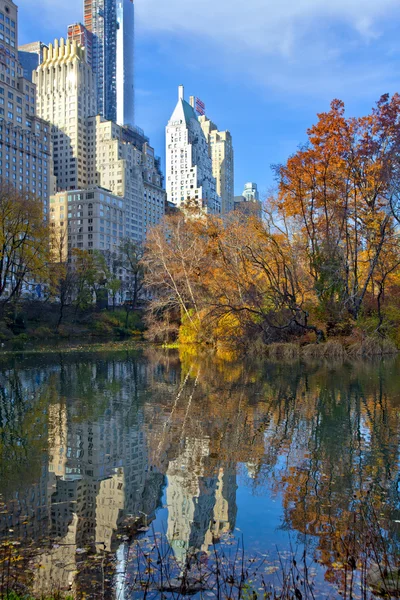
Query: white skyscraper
{"points": [[189, 165]]}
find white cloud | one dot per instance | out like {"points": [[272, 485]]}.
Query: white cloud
{"points": [[316, 46], [269, 26]]}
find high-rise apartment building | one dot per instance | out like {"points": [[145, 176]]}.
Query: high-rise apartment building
{"points": [[82, 36], [111, 23], [93, 155], [25, 144], [92, 219], [221, 152], [188, 163], [66, 98], [30, 56]]}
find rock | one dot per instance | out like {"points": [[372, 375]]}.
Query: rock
{"points": [[384, 580]]}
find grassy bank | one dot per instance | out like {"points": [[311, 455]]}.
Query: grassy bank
{"points": [[367, 347]]}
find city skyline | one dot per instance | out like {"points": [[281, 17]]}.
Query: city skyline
{"points": [[275, 82]]}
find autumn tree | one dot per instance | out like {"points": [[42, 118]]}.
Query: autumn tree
{"points": [[175, 263], [24, 242], [341, 190]]}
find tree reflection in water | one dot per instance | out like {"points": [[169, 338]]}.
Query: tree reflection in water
{"points": [[95, 447]]}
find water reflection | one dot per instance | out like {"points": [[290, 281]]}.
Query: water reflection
{"points": [[93, 446]]}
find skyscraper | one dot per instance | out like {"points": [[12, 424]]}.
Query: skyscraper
{"points": [[125, 62], [65, 97], [112, 24], [188, 163], [96, 20], [221, 152]]}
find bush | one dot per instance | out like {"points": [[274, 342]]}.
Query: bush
{"points": [[42, 333], [19, 342], [101, 327]]}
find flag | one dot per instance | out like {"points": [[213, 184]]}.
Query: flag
{"points": [[200, 107]]}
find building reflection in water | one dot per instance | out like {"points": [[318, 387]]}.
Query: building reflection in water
{"points": [[109, 455], [200, 508]]}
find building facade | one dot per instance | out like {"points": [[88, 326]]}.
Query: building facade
{"points": [[66, 98], [25, 139], [189, 173], [111, 23], [222, 156], [91, 219]]}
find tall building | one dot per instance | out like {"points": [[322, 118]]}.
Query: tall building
{"points": [[66, 97], [25, 145], [82, 36], [93, 155], [125, 62], [188, 163], [30, 56], [112, 24], [124, 163], [221, 152], [92, 219]]}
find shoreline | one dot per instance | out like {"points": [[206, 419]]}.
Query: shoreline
{"points": [[282, 352]]}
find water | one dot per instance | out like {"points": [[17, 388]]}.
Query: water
{"points": [[99, 450]]}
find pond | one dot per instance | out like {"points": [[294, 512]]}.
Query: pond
{"points": [[111, 463]]}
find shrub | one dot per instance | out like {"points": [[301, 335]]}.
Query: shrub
{"points": [[19, 342], [42, 333]]}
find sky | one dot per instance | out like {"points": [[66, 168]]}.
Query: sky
{"points": [[264, 68]]}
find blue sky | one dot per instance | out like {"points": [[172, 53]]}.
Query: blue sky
{"points": [[264, 68]]}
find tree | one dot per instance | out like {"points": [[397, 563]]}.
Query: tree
{"points": [[340, 190], [63, 280], [174, 262], [109, 265], [90, 273], [24, 242], [132, 263]]}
